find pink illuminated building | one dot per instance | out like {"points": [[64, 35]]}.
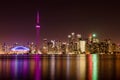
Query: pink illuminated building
{"points": [[38, 34]]}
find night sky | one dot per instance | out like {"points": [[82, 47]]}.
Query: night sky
{"points": [[58, 18]]}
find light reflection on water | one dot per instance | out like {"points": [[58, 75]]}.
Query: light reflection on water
{"points": [[79, 67]]}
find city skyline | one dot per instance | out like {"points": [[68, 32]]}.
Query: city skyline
{"points": [[58, 19]]}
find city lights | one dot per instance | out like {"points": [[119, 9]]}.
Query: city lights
{"points": [[59, 40], [94, 35], [20, 49], [75, 44]]}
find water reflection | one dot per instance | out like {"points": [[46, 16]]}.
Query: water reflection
{"points": [[89, 67], [107, 67], [79, 67], [52, 68], [82, 68], [68, 68], [95, 67], [37, 69]]}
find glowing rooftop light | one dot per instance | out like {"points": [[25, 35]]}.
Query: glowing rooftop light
{"points": [[69, 36], [16, 43], [73, 33], [94, 35], [78, 36]]}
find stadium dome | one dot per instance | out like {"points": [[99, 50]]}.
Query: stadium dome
{"points": [[21, 49]]}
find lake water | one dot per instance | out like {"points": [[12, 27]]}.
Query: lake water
{"points": [[79, 67]]}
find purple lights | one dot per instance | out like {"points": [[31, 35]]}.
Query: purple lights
{"points": [[37, 33], [20, 48], [38, 19], [37, 26]]}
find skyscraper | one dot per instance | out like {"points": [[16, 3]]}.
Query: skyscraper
{"points": [[38, 33]]}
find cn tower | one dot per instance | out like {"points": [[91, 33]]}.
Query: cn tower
{"points": [[37, 33]]}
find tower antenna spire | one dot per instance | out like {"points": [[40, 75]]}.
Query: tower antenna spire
{"points": [[38, 17]]}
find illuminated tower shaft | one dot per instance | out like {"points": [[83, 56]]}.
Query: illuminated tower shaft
{"points": [[38, 33]]}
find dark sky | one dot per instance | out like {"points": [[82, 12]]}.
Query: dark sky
{"points": [[58, 18]]}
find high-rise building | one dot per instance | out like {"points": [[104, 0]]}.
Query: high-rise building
{"points": [[45, 43], [83, 46]]}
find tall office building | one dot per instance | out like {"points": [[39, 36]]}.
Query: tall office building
{"points": [[38, 34]]}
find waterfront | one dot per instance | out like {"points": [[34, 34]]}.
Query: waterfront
{"points": [[79, 67]]}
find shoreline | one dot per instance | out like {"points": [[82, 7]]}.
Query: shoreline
{"points": [[2, 56]]}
